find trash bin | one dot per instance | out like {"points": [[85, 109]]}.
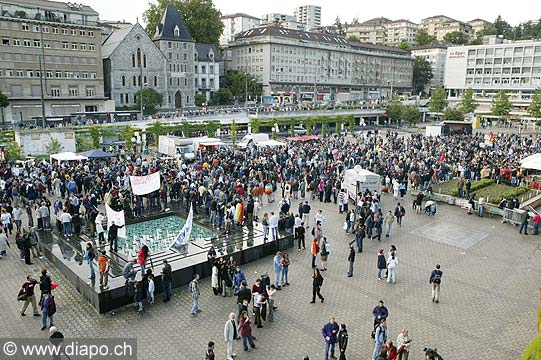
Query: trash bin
{"points": [[452, 201]]}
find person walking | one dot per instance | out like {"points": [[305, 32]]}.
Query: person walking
{"points": [[265, 224], [45, 284], [89, 256], [29, 295], [277, 269], [230, 335], [209, 354], [330, 334], [351, 260], [382, 264], [317, 282], [403, 342], [246, 331], [391, 267], [399, 213], [314, 251], [324, 253], [194, 289], [138, 296], [285, 269], [342, 341], [167, 279], [301, 232], [4, 244], [48, 309], [244, 296], [388, 220], [524, 222], [380, 338], [380, 313], [306, 213], [435, 280]]}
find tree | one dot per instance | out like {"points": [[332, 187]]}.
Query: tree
{"points": [[235, 82], [468, 104], [422, 74], [4, 102], [394, 110], [151, 100], [410, 113], [351, 123], [503, 28], [13, 151], [128, 133], [233, 129], [95, 134], [404, 45], [353, 38], [438, 100], [200, 16], [534, 110], [423, 38], [221, 97], [199, 99], [501, 106], [456, 38], [54, 147], [157, 128], [453, 114], [481, 33]]}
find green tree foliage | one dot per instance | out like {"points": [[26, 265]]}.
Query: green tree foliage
{"points": [[254, 124], [480, 34], [468, 104], [422, 38], [453, 114], [501, 106], [235, 81], [151, 100], [128, 132], [534, 110], [157, 128], [308, 122], [54, 147], [404, 45], [83, 142], [211, 126], [422, 74], [456, 38], [13, 151], [199, 99], [221, 97], [351, 123], [233, 129], [201, 17], [503, 28], [394, 110], [95, 134], [353, 38], [323, 121], [4, 102], [410, 113], [438, 100]]}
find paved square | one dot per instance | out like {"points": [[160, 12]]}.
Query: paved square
{"points": [[448, 234]]}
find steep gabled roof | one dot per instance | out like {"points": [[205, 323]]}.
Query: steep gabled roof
{"points": [[171, 20], [113, 40], [203, 52]]}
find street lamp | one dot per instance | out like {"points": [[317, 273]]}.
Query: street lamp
{"points": [[246, 90]]}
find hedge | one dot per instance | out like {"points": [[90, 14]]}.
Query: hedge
{"points": [[475, 185]]}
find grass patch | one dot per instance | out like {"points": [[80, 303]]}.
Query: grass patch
{"points": [[496, 192], [451, 187]]}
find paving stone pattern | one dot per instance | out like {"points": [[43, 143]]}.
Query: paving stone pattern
{"points": [[487, 309]]}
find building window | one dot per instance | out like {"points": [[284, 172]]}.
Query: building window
{"points": [[37, 43], [83, 47], [25, 27], [132, 60], [47, 45], [155, 80], [145, 80], [46, 29], [74, 46], [5, 41], [123, 80], [26, 43], [185, 57], [90, 91], [169, 44], [82, 33], [177, 31], [84, 75], [73, 91], [58, 74], [144, 61], [138, 57], [64, 31], [184, 46], [93, 75], [91, 33], [55, 92], [195, 69], [16, 42], [65, 45], [203, 69], [73, 32], [30, 73], [211, 69], [49, 74], [55, 30], [91, 47], [68, 75], [35, 28], [121, 98]]}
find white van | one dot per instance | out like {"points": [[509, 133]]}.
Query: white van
{"points": [[252, 140]]}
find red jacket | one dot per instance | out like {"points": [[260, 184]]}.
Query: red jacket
{"points": [[245, 328]]}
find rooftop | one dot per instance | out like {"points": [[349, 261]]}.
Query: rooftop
{"points": [[56, 5], [170, 23], [203, 51], [230, 16]]}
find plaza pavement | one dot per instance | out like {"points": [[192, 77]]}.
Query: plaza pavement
{"points": [[487, 310]]}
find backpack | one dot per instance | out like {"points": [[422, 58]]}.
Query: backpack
{"points": [[437, 278], [20, 243], [51, 306]]}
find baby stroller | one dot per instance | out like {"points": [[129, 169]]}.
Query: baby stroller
{"points": [[430, 208]]}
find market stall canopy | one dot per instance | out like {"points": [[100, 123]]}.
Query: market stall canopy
{"points": [[531, 162], [68, 156], [302, 138], [211, 142], [96, 154], [270, 143]]}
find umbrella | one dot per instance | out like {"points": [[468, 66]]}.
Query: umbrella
{"points": [[429, 203]]}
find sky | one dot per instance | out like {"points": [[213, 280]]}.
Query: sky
{"points": [[414, 10]]}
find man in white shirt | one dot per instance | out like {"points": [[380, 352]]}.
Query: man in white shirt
{"points": [[273, 225], [230, 334], [17, 217], [319, 218], [65, 218]]}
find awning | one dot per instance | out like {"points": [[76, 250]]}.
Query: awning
{"points": [[270, 143], [67, 156], [532, 162], [96, 154], [302, 138]]}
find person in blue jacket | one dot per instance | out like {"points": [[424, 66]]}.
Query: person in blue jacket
{"points": [[330, 334]]}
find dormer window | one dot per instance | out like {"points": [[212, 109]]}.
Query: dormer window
{"points": [[177, 31]]}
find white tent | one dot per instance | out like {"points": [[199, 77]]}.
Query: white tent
{"points": [[531, 162], [67, 156], [359, 180], [270, 143]]}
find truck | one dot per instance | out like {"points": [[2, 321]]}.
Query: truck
{"points": [[252, 140], [176, 146]]}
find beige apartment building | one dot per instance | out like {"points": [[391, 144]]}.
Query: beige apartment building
{"points": [[382, 31], [55, 44], [401, 30], [441, 25], [479, 25], [305, 66]]}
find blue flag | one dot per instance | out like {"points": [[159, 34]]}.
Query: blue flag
{"points": [[184, 235]]}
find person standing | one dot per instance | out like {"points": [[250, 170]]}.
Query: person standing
{"points": [[315, 251], [536, 222], [65, 218], [306, 213], [330, 334], [244, 296], [380, 313], [324, 254], [351, 260], [246, 331], [271, 292], [380, 338], [88, 256], [388, 220], [273, 224], [194, 289], [34, 242], [142, 255], [113, 236], [399, 213], [435, 280], [230, 335], [45, 284], [277, 269], [103, 266], [167, 279], [30, 297], [48, 309], [382, 264], [342, 341], [209, 355], [317, 282], [259, 301], [391, 267], [99, 227], [17, 217], [26, 249], [4, 244], [285, 269], [265, 224], [524, 222], [403, 342]]}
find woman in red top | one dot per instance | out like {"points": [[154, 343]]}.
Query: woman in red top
{"points": [[246, 331], [392, 352], [142, 256]]}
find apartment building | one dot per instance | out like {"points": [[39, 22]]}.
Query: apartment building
{"points": [[207, 69], [59, 43], [513, 67], [282, 20], [479, 25], [305, 66], [441, 25], [401, 30], [309, 15], [235, 24], [382, 31], [436, 55]]}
